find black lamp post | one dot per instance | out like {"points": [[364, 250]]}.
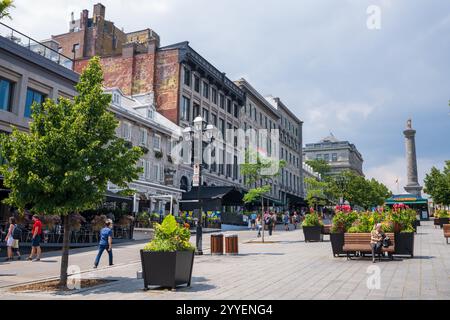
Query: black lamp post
{"points": [[196, 135]]}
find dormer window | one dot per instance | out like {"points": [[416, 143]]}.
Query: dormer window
{"points": [[116, 98], [150, 113]]}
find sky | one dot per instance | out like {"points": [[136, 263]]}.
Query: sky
{"points": [[342, 66]]}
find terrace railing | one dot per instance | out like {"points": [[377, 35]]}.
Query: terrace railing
{"points": [[35, 46]]}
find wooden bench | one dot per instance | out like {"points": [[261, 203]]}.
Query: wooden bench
{"points": [[446, 228], [360, 242]]}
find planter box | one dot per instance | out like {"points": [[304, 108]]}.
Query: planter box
{"points": [[436, 221], [313, 233], [167, 269], [443, 221], [337, 242], [404, 243]]}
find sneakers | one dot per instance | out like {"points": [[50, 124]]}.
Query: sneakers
{"points": [[95, 267], [37, 259], [30, 259]]}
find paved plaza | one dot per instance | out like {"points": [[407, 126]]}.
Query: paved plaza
{"points": [[285, 268]]}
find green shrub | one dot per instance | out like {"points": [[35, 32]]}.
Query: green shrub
{"points": [[442, 214], [339, 223], [408, 229], [170, 237], [353, 229], [311, 220]]}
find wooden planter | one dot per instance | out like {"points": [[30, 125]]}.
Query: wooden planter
{"points": [[313, 233], [167, 269], [337, 242], [404, 243]]}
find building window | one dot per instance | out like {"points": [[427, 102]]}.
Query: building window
{"points": [[6, 94], [326, 157], [150, 113], [143, 137], [196, 110], [187, 77], [222, 127], [205, 115], [334, 157], [126, 131], [255, 114], [184, 110], [205, 90], [214, 95], [142, 165], [222, 101], [235, 168], [236, 111], [229, 106], [319, 156], [116, 98], [32, 96], [147, 170], [197, 84], [214, 119], [157, 142]]}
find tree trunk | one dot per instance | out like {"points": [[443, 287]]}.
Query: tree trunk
{"points": [[65, 252], [263, 222]]}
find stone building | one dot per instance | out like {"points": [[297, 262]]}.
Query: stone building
{"points": [[28, 74], [158, 185], [308, 172], [341, 155], [259, 120], [291, 191]]}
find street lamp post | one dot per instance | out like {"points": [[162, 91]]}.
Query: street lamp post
{"points": [[197, 132]]}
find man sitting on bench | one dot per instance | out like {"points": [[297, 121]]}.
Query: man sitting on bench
{"points": [[376, 240]]}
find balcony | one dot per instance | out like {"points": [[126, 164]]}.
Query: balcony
{"points": [[48, 50]]}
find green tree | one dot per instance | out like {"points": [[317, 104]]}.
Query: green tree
{"points": [[320, 166], [5, 5], [258, 168], [316, 190], [437, 184], [62, 166]]}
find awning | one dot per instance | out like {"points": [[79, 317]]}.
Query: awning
{"points": [[296, 200], [406, 199], [213, 198]]}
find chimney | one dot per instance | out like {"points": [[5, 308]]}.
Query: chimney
{"points": [[84, 19], [99, 10]]}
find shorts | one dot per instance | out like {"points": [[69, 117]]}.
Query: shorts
{"points": [[36, 241]]}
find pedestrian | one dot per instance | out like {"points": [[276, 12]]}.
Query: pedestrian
{"points": [[286, 221], [274, 220], [105, 243], [376, 240], [12, 239], [258, 223], [36, 233], [253, 220], [268, 222], [295, 220]]}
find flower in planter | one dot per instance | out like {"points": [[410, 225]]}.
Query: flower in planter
{"points": [[98, 222], [170, 237], [158, 154], [312, 219]]}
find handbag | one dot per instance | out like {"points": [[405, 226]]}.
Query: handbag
{"points": [[386, 242]]}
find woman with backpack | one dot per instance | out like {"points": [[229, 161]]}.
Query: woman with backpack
{"points": [[12, 239]]}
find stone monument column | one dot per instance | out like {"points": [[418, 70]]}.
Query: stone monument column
{"points": [[412, 185]]}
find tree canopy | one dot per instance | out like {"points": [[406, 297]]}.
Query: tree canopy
{"points": [[437, 184], [5, 5]]}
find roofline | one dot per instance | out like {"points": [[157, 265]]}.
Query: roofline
{"points": [[288, 111], [244, 83]]}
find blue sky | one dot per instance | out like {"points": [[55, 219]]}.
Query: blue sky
{"points": [[318, 56]]}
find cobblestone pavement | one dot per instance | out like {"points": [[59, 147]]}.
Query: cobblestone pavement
{"points": [[285, 268]]}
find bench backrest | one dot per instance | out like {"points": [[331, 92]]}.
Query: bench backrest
{"points": [[363, 238]]}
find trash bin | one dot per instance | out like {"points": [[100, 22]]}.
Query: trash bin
{"points": [[216, 244], [231, 244]]}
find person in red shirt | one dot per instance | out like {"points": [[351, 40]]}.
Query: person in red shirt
{"points": [[36, 239]]}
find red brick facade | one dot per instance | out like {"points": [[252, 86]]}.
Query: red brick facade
{"points": [[136, 74]]}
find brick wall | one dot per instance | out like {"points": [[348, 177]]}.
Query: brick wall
{"points": [[167, 84]]}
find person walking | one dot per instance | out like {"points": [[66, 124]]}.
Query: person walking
{"points": [[36, 233], [268, 222], [105, 243], [286, 219], [295, 220], [253, 220], [376, 240], [274, 221], [11, 242], [258, 223]]}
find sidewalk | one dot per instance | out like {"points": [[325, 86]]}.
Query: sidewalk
{"points": [[286, 268]]}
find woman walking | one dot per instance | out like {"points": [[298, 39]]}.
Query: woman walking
{"points": [[258, 225], [11, 242]]}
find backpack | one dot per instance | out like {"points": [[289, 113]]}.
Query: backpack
{"points": [[267, 220], [17, 233], [386, 242]]}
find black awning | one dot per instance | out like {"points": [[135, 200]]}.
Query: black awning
{"points": [[213, 198], [296, 200]]}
